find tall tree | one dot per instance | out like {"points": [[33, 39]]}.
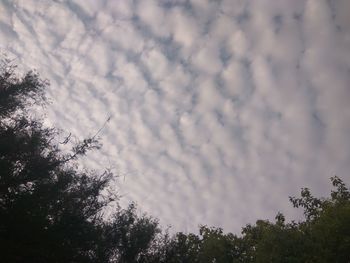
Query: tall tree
{"points": [[50, 211]]}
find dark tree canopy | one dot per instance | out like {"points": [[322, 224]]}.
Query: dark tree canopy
{"points": [[49, 210], [19, 93]]}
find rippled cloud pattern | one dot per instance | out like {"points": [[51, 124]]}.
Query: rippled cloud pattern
{"points": [[220, 109]]}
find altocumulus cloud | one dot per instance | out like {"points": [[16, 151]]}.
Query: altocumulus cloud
{"points": [[220, 109]]}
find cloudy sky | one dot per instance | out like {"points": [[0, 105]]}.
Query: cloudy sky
{"points": [[220, 109]]}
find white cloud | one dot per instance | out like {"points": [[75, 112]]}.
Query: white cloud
{"points": [[157, 62], [184, 30], [154, 16]]}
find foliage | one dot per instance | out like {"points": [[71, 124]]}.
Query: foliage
{"points": [[49, 210], [324, 236], [19, 93]]}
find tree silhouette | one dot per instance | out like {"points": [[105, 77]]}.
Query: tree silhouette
{"points": [[50, 211]]}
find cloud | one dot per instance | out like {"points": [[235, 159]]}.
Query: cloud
{"points": [[220, 109]]}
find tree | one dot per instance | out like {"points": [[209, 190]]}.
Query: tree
{"points": [[327, 224], [211, 245], [16, 94], [128, 237], [50, 211], [324, 236]]}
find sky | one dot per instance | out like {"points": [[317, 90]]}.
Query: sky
{"points": [[219, 109]]}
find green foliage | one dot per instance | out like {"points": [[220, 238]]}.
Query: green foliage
{"points": [[324, 236], [49, 210], [130, 235]]}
